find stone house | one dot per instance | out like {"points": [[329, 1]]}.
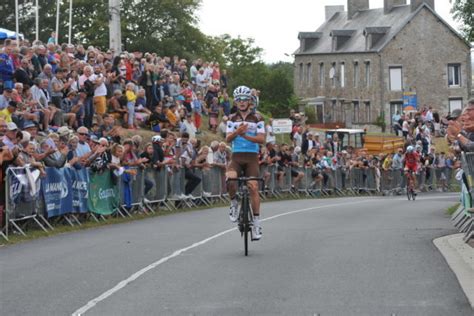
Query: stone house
{"points": [[360, 63]]}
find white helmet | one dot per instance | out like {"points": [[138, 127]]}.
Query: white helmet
{"points": [[242, 91], [409, 149]]}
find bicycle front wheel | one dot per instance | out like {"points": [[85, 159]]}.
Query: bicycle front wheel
{"points": [[245, 222]]}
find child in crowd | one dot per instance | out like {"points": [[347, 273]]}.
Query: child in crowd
{"points": [[131, 99], [213, 115]]}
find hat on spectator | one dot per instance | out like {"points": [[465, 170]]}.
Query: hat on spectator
{"points": [[156, 139], [11, 126], [95, 139], [29, 124], [180, 97], [310, 133], [454, 115], [64, 131], [26, 137]]}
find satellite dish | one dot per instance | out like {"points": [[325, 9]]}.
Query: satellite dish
{"points": [[332, 73]]}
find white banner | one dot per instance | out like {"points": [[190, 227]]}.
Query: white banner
{"points": [[282, 126]]}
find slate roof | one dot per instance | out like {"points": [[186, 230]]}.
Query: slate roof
{"points": [[373, 20]]}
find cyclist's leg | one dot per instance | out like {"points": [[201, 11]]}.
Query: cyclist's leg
{"points": [[251, 170], [233, 170]]}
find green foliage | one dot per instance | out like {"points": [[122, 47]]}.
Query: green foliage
{"points": [[463, 11], [168, 28], [380, 122], [310, 113]]}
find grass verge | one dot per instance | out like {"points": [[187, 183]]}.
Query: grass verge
{"points": [[450, 211]]}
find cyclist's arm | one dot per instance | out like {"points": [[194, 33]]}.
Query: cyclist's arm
{"points": [[259, 139]]}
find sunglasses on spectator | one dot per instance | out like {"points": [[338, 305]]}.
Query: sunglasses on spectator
{"points": [[241, 99], [83, 134]]}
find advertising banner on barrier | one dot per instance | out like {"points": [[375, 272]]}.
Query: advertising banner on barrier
{"points": [[23, 189], [80, 186], [57, 193], [103, 194]]}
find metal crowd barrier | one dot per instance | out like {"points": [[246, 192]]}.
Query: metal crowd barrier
{"points": [[463, 218], [168, 189]]}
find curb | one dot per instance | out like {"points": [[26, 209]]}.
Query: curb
{"points": [[460, 258]]}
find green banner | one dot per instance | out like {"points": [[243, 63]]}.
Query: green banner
{"points": [[103, 194]]}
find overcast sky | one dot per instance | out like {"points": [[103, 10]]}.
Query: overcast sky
{"points": [[274, 24]]}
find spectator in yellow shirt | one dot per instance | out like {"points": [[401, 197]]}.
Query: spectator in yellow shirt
{"points": [[131, 98], [7, 112], [170, 115]]}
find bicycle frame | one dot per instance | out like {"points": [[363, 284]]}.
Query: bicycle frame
{"points": [[246, 213]]}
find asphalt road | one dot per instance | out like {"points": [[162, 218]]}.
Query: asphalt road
{"points": [[348, 256]]}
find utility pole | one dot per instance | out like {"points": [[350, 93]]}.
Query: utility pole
{"points": [[17, 25], [115, 32], [70, 22], [57, 22], [37, 20]]}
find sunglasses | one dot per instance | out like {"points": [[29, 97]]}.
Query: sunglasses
{"points": [[242, 99], [83, 134]]}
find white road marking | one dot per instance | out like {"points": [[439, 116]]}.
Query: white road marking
{"points": [[155, 264]]}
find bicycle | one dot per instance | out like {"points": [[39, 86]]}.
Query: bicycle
{"points": [[410, 185], [245, 213]]}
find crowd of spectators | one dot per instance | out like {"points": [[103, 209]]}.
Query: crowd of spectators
{"points": [[67, 106]]}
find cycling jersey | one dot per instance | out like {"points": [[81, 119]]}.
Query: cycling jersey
{"points": [[411, 161], [255, 125]]}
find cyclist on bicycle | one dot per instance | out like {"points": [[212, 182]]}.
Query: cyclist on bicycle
{"points": [[411, 158], [245, 131]]}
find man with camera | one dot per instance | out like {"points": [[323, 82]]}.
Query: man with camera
{"points": [[461, 129]]}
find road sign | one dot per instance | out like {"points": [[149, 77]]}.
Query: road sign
{"points": [[282, 126]]}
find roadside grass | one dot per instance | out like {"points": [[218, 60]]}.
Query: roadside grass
{"points": [[450, 211]]}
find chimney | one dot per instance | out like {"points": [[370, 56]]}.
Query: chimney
{"points": [[333, 9], [415, 4], [353, 6], [389, 4]]}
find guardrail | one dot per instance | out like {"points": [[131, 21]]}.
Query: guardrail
{"points": [[70, 196], [463, 218]]}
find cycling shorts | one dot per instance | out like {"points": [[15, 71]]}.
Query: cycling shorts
{"points": [[246, 162], [413, 168]]}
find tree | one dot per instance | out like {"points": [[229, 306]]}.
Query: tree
{"points": [[463, 11]]}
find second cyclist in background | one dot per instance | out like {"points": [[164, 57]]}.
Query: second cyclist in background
{"points": [[411, 159]]}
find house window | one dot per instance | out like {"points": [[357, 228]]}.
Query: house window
{"points": [[309, 73], [332, 74], [455, 104], [301, 73], [454, 75], [321, 74], [355, 112], [343, 75], [367, 74], [396, 81], [368, 116], [356, 74]]}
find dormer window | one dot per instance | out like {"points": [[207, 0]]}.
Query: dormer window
{"points": [[340, 37], [308, 40], [373, 35]]}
